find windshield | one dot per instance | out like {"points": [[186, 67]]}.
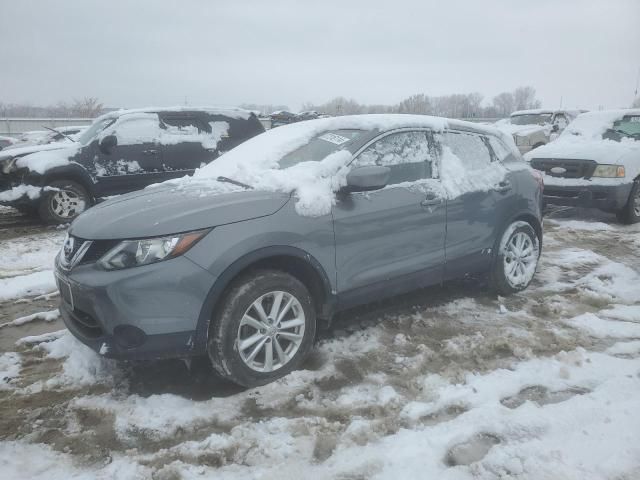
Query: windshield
{"points": [[628, 127], [95, 128], [531, 119], [319, 147]]}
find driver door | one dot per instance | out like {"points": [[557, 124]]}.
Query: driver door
{"points": [[391, 240], [135, 161]]}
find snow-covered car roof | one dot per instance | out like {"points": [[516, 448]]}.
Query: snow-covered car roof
{"points": [[535, 111], [232, 112]]}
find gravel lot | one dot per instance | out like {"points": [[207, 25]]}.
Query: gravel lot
{"points": [[449, 382]]}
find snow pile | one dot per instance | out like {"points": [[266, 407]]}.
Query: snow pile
{"points": [[26, 461], [37, 283], [9, 368], [599, 328], [49, 316], [18, 257], [81, 365], [20, 191]]}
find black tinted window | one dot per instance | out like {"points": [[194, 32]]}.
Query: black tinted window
{"points": [[407, 154]]}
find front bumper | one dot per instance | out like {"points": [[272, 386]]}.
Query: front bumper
{"points": [[609, 198], [141, 313]]}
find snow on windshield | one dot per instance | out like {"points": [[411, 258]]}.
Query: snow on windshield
{"points": [[257, 162], [592, 125]]}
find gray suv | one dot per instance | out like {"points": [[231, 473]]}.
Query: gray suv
{"points": [[235, 268]]}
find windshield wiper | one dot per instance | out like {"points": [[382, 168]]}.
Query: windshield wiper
{"points": [[63, 134], [234, 182]]}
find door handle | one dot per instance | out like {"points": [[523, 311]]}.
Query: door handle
{"points": [[503, 187], [150, 152], [431, 200]]}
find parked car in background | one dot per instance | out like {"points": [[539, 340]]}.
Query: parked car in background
{"points": [[51, 135], [120, 152], [533, 128], [6, 142], [282, 117], [292, 226], [595, 163]]}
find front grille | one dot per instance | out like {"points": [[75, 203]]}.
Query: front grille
{"points": [[94, 250], [572, 168], [97, 249]]}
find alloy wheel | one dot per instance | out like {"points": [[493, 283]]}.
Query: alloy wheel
{"points": [[67, 203], [520, 259], [271, 331]]}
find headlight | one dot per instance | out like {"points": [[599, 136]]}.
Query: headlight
{"points": [[7, 165], [134, 253], [609, 171]]}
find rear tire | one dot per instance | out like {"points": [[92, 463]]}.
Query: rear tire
{"points": [[631, 212], [264, 328], [516, 259], [66, 202]]}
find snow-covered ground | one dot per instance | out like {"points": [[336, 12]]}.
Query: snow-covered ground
{"points": [[447, 383]]}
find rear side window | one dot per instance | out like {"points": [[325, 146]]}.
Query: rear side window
{"points": [[499, 148], [469, 148], [407, 154], [183, 126], [630, 125]]}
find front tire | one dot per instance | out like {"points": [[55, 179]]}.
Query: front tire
{"points": [[264, 328], [64, 202], [631, 212], [516, 260]]}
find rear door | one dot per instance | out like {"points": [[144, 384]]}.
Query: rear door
{"points": [[479, 200], [391, 240], [186, 143], [136, 160]]}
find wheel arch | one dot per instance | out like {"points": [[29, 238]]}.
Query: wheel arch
{"points": [[291, 260], [70, 172]]}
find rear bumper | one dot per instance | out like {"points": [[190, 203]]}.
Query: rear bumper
{"points": [[604, 197]]}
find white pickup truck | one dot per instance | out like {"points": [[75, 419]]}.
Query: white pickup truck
{"points": [[533, 128], [595, 163]]}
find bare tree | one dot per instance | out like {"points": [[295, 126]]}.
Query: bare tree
{"points": [[504, 103], [87, 107], [418, 103], [525, 98]]}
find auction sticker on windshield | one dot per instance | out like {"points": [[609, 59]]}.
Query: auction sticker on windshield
{"points": [[334, 138]]}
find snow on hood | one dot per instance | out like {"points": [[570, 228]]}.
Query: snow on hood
{"points": [[11, 152], [44, 160]]}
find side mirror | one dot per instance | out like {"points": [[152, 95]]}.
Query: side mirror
{"points": [[108, 143], [364, 179], [555, 127]]}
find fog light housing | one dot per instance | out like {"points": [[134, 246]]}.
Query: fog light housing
{"points": [[128, 336]]}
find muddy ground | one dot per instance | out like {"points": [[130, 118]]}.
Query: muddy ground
{"points": [[449, 331]]}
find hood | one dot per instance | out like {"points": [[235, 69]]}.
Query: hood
{"points": [[601, 151], [166, 210], [521, 130], [17, 151]]}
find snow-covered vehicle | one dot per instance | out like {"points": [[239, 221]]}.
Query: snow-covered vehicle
{"points": [[595, 163], [241, 259], [533, 128], [120, 152], [6, 142], [51, 135]]}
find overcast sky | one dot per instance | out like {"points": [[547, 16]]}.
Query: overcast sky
{"points": [[137, 53]]}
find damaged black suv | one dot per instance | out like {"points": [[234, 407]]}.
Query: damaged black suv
{"points": [[121, 152]]}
